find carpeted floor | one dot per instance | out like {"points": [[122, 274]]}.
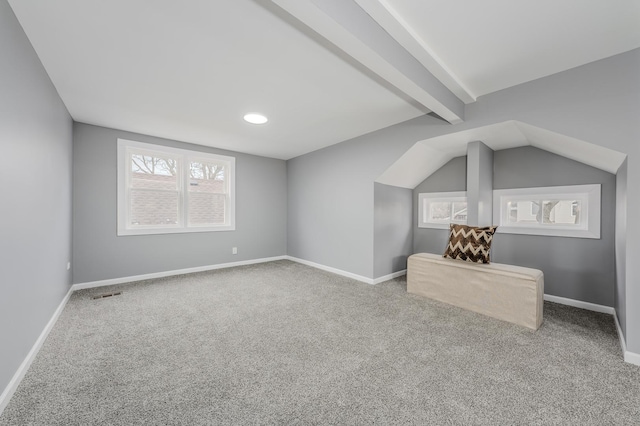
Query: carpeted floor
{"points": [[282, 343]]}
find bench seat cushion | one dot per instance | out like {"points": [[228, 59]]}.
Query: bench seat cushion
{"points": [[506, 292]]}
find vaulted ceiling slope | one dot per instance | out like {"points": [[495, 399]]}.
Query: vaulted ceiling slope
{"points": [[323, 71], [427, 156]]}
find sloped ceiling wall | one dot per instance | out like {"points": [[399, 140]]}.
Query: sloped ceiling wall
{"points": [[427, 156]]}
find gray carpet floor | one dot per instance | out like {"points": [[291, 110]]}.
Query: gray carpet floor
{"points": [[282, 343]]}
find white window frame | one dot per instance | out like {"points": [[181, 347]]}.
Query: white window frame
{"points": [[589, 196], [424, 201], [126, 147]]}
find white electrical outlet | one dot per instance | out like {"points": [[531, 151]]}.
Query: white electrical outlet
{"points": [[234, 250], [68, 265]]}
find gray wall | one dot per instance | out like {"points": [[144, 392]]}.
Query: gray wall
{"points": [[99, 254], [621, 247], [568, 263], [331, 218], [448, 178], [35, 186], [479, 184], [393, 230], [598, 103], [576, 268], [331, 196]]}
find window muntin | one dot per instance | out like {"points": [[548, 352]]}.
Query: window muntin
{"points": [[169, 190], [570, 211], [438, 210]]}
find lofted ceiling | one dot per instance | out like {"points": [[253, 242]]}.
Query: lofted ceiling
{"points": [[427, 156], [323, 71], [490, 45]]}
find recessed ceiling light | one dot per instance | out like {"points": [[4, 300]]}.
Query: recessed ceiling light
{"points": [[255, 118]]}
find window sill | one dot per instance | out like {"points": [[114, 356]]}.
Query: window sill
{"points": [[570, 233], [436, 225], [129, 232]]}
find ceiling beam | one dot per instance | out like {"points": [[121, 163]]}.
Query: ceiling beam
{"points": [[350, 28], [394, 24]]}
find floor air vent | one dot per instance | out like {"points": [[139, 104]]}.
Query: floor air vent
{"points": [[104, 295]]}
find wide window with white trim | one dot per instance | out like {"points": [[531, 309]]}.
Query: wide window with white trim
{"points": [[169, 190], [567, 211], [439, 209]]}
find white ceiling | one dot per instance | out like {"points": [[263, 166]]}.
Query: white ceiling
{"points": [[190, 70], [490, 45]]}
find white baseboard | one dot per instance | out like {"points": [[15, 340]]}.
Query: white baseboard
{"points": [[630, 357], [580, 304], [389, 277], [22, 370], [357, 277], [332, 270], [163, 274]]}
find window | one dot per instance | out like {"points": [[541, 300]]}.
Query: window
{"points": [[439, 209], [169, 190], [567, 211]]}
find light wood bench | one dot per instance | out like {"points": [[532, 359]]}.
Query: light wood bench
{"points": [[506, 292]]}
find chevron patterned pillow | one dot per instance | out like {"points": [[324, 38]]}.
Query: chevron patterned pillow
{"points": [[470, 243]]}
